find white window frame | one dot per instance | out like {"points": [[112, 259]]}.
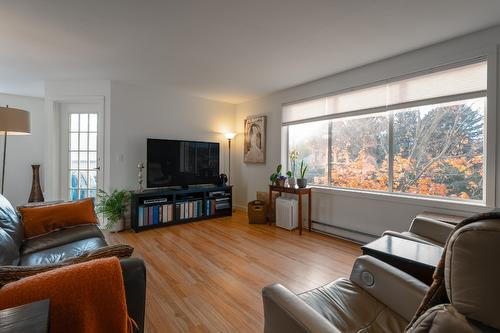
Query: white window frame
{"points": [[490, 143]]}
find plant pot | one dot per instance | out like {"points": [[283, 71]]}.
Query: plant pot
{"points": [[118, 226], [280, 183], [291, 182], [302, 182]]}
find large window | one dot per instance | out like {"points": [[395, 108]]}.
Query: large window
{"points": [[429, 143]]}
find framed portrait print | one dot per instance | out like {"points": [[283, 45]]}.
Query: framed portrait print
{"points": [[254, 149]]}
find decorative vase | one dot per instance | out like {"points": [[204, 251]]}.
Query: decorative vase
{"points": [[118, 226], [291, 182], [140, 167], [280, 183], [36, 194], [302, 182]]}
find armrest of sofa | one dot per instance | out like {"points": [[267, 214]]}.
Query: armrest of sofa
{"points": [[396, 289], [286, 312], [134, 279], [431, 228]]}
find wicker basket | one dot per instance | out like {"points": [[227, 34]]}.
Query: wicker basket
{"points": [[257, 212]]}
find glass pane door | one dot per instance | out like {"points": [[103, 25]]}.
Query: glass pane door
{"points": [[83, 165]]}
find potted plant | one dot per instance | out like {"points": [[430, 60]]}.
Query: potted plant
{"points": [[291, 179], [113, 207], [274, 176], [302, 181], [293, 155], [280, 181]]}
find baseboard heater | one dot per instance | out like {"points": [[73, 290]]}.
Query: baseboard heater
{"points": [[356, 232]]}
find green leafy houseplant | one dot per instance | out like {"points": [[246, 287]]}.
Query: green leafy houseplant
{"points": [[302, 181], [303, 169], [112, 206], [275, 175]]}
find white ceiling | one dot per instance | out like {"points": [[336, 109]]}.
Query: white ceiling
{"points": [[229, 50]]}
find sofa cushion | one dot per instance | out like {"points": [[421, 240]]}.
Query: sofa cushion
{"points": [[10, 222], [40, 220], [351, 309], [60, 237], [9, 252], [66, 251]]}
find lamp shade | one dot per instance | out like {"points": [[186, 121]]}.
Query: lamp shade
{"points": [[230, 135], [14, 121]]}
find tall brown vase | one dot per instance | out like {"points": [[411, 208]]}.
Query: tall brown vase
{"points": [[36, 194]]}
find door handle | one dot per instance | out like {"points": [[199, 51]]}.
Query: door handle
{"points": [[97, 168]]}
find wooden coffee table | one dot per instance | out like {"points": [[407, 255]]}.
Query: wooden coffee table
{"points": [[417, 259]]}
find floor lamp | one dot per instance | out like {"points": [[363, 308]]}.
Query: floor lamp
{"points": [[12, 122], [229, 136]]}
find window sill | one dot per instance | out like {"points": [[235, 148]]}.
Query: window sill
{"points": [[465, 206]]}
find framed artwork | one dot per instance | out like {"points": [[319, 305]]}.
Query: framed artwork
{"points": [[254, 150]]}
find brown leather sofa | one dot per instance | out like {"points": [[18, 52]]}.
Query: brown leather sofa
{"points": [[64, 244], [380, 298]]}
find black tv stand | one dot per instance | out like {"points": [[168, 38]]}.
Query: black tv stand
{"points": [[172, 206]]}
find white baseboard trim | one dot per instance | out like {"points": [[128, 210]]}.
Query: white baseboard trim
{"points": [[242, 208]]}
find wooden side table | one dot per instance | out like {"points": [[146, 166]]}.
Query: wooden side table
{"points": [[299, 192], [32, 317], [417, 259]]}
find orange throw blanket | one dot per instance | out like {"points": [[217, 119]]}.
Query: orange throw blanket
{"points": [[84, 298]]}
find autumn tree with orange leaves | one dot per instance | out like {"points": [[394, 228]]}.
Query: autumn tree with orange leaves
{"points": [[438, 151]]}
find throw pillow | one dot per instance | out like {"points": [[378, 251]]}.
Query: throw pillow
{"points": [[43, 219]]}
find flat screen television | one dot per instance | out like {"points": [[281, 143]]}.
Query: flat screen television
{"points": [[181, 163]]}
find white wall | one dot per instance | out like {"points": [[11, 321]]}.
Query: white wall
{"points": [[134, 112], [368, 214], [23, 150], [139, 112]]}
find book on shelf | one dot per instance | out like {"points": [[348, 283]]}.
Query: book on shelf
{"points": [[140, 216], [150, 215], [157, 214], [164, 216]]}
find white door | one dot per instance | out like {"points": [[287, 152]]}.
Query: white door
{"points": [[81, 149]]}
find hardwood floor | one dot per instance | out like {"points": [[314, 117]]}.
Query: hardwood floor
{"points": [[207, 276]]}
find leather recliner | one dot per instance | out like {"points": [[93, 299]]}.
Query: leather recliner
{"points": [[380, 298]]}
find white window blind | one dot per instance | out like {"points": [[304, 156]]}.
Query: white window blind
{"points": [[466, 79]]}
